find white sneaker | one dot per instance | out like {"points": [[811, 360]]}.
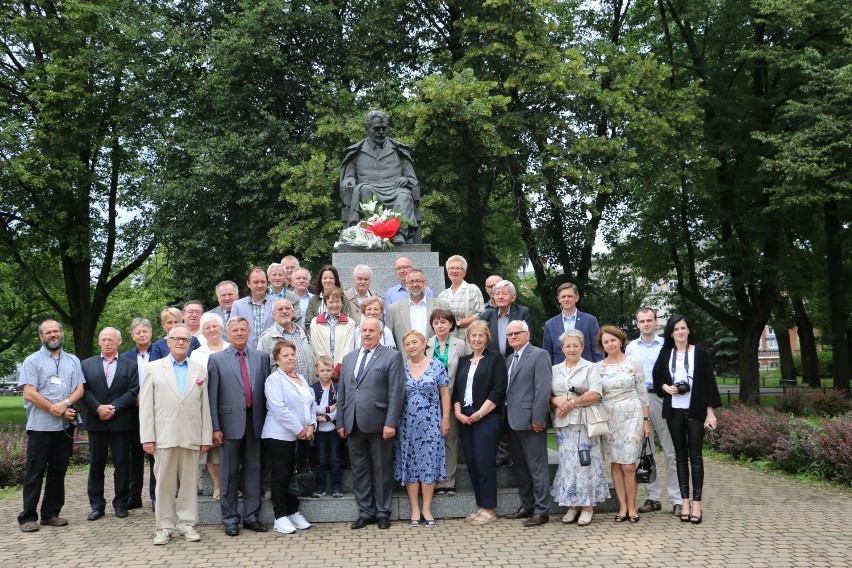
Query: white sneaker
{"points": [[162, 537], [299, 521], [283, 525]]}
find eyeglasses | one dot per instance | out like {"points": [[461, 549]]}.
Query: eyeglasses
{"points": [[180, 339], [406, 267], [514, 333]]}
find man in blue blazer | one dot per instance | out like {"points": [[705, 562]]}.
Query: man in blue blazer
{"points": [[503, 297], [112, 384], [571, 318]]}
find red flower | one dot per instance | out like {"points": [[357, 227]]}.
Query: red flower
{"points": [[385, 230]]}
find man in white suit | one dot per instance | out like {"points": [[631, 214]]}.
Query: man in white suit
{"points": [[413, 312], [174, 425]]}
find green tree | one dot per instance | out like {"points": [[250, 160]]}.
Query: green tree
{"points": [[79, 129]]}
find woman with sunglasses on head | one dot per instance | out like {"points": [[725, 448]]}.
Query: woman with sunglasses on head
{"points": [[683, 376]]}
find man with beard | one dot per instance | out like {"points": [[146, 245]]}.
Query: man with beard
{"points": [[53, 382]]}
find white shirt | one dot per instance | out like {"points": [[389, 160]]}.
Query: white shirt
{"points": [[419, 316]]}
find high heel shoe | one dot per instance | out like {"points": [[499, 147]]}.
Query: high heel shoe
{"points": [[685, 512], [695, 519]]}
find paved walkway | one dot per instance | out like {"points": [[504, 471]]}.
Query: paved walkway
{"points": [[750, 519]]}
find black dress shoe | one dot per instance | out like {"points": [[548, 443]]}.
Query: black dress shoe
{"points": [[384, 522], [537, 520], [521, 513], [232, 530], [121, 512], [95, 515], [362, 522], [134, 504], [256, 526]]}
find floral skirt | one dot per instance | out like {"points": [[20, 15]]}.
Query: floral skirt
{"points": [[576, 485]]}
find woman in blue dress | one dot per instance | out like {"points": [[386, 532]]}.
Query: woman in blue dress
{"points": [[420, 458]]}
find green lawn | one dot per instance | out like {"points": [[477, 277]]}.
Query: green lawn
{"points": [[12, 410]]}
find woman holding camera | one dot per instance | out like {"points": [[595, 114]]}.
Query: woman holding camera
{"points": [[683, 376], [579, 483], [625, 398]]}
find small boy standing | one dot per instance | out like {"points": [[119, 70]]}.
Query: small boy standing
{"points": [[327, 442]]}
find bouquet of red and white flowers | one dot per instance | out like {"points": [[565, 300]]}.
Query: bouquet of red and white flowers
{"points": [[376, 230]]}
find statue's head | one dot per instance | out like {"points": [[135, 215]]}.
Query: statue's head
{"points": [[377, 125]]}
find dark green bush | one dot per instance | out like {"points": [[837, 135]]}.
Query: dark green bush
{"points": [[793, 402]]}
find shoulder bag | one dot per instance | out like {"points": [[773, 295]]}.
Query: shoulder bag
{"points": [[596, 420]]}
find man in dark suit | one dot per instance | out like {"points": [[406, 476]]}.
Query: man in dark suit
{"points": [[369, 405], [570, 318], [142, 332], [112, 384], [503, 297], [527, 398], [237, 377]]}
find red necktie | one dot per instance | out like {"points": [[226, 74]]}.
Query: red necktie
{"points": [[246, 382]]}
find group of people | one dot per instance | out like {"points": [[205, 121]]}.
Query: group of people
{"points": [[259, 384]]}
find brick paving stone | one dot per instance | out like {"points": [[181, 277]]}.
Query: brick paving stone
{"points": [[748, 522]]}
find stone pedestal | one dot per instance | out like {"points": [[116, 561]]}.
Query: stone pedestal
{"points": [[383, 264]]}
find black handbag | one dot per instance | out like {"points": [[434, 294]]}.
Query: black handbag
{"points": [[302, 482], [646, 471]]}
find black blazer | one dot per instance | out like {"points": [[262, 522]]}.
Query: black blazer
{"points": [[516, 312], [121, 394], [704, 392], [489, 380]]}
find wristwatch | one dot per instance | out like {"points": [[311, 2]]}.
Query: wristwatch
{"points": [[648, 418]]}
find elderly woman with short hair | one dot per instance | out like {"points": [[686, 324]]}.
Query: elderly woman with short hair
{"points": [[464, 298], [574, 389], [212, 325], [374, 307]]}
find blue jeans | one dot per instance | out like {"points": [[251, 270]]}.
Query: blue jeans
{"points": [[329, 452]]}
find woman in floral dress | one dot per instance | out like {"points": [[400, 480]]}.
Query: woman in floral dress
{"points": [[625, 398], [420, 458]]}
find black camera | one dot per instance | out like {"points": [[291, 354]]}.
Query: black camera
{"points": [[682, 387], [579, 391]]}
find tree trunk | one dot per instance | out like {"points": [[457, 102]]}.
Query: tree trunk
{"points": [[747, 340], [807, 343], [785, 355], [837, 297], [782, 323]]}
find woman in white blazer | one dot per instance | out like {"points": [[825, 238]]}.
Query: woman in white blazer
{"points": [[290, 425], [447, 349], [576, 385]]}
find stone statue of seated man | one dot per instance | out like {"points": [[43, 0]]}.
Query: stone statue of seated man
{"points": [[380, 167]]}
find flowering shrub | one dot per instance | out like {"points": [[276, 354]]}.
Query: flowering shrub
{"points": [[13, 453], [835, 444], [13, 461], [830, 403], [798, 451], [747, 432], [792, 444]]}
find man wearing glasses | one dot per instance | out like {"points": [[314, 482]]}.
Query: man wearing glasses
{"points": [[174, 423], [400, 291], [527, 399], [414, 311]]}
